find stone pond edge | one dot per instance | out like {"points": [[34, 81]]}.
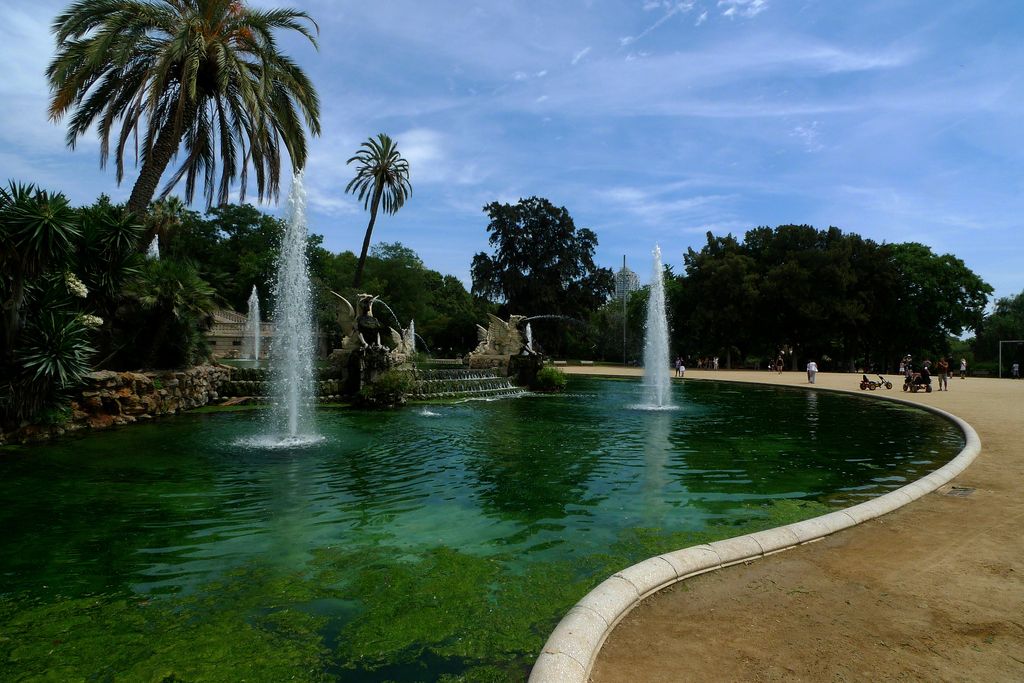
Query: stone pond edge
{"points": [[571, 650]]}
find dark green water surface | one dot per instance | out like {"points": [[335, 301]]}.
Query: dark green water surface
{"points": [[430, 543]]}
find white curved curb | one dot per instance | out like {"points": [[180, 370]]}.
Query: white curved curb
{"points": [[571, 649]]}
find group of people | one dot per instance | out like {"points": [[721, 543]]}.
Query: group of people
{"points": [[702, 363], [944, 368]]}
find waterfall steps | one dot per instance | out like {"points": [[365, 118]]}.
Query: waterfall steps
{"points": [[462, 383], [430, 383]]}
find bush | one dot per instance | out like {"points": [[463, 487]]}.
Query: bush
{"points": [[388, 390], [550, 378], [46, 324]]}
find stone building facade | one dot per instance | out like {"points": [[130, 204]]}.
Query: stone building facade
{"points": [[227, 336]]}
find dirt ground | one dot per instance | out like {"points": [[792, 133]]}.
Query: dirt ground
{"points": [[931, 592]]}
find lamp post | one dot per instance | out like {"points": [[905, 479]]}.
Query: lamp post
{"points": [[623, 288]]}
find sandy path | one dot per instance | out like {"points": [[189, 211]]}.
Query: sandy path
{"points": [[931, 592]]}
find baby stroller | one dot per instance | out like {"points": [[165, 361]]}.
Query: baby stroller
{"points": [[918, 381]]}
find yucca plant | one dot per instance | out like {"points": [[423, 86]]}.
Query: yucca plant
{"points": [[55, 350], [37, 233], [52, 352]]}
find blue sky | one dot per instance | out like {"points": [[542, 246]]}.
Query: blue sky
{"points": [[649, 121]]}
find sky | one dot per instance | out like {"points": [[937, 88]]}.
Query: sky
{"points": [[650, 121]]}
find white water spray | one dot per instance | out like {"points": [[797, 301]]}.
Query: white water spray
{"points": [[252, 325], [154, 249], [529, 338], [657, 382], [292, 347]]}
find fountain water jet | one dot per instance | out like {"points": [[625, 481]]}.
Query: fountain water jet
{"points": [[252, 325], [657, 382], [529, 338], [292, 347]]}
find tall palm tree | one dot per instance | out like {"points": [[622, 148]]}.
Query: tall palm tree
{"points": [[204, 73], [382, 180]]}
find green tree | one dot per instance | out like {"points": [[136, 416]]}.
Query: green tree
{"points": [[1005, 322], [542, 264], [937, 297], [58, 266], [445, 313], [108, 260], [165, 216], [381, 181], [37, 234], [837, 297], [207, 74], [718, 305], [168, 308]]}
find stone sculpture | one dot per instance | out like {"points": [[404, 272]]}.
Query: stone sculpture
{"points": [[368, 346], [498, 343]]}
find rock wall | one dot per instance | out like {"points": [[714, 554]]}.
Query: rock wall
{"points": [[109, 398]]}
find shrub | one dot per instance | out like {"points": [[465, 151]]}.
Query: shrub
{"points": [[550, 378], [45, 326], [388, 390]]}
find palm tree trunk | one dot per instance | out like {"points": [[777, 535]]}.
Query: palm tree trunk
{"points": [[369, 232], [167, 142]]}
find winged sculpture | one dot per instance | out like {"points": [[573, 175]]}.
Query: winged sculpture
{"points": [[500, 338]]}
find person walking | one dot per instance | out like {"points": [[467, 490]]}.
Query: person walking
{"points": [[1015, 371], [812, 371], [963, 368], [679, 365], [943, 374]]}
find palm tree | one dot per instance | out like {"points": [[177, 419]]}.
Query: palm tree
{"points": [[174, 306], [382, 178], [165, 216], [204, 73]]}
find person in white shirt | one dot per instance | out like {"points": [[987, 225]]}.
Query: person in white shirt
{"points": [[812, 370]]}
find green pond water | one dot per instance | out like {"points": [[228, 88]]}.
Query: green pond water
{"points": [[438, 542]]}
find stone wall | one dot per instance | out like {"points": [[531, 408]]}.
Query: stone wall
{"points": [[109, 398]]}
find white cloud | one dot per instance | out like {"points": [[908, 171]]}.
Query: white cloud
{"points": [[702, 18], [332, 201], [664, 206], [580, 55], [26, 47], [808, 135], [743, 8], [433, 161], [671, 10]]}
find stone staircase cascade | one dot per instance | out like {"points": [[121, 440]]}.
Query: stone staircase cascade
{"points": [[437, 380], [462, 383], [255, 382]]}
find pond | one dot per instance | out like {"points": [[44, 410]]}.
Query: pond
{"points": [[436, 542]]}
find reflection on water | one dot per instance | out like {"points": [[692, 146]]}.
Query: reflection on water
{"points": [[488, 518], [812, 414]]}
